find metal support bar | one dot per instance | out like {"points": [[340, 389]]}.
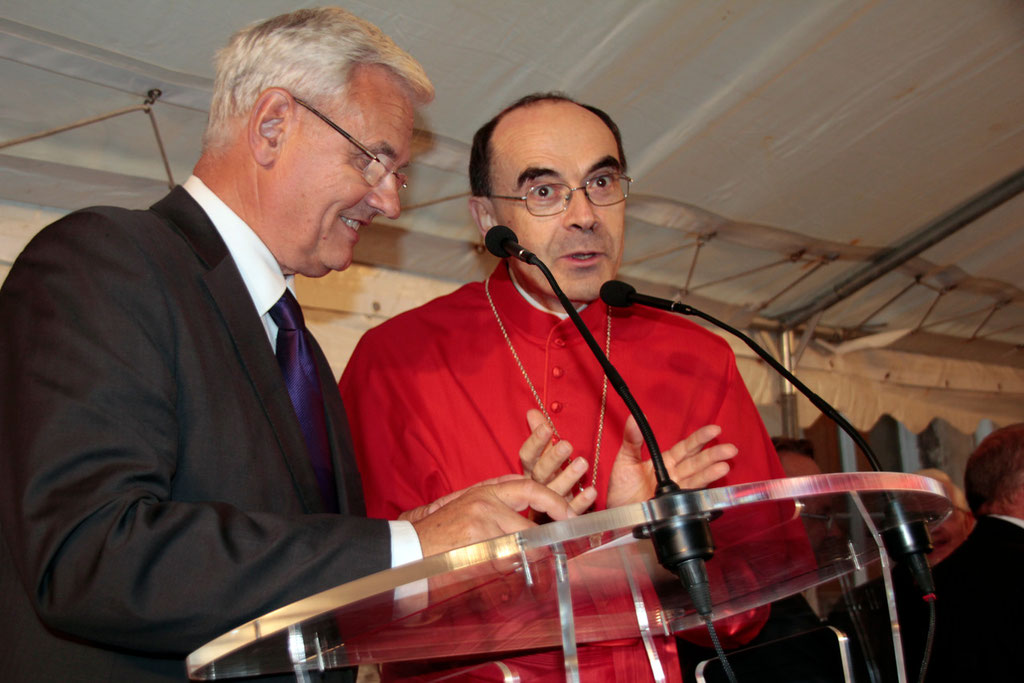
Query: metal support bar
{"points": [[72, 126], [701, 241], [928, 313], [888, 303], [805, 339], [960, 316], [790, 424], [1000, 331], [659, 254], [995, 308], [930, 234], [152, 96], [744, 273], [821, 261]]}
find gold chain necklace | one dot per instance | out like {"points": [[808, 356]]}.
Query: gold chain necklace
{"points": [[536, 396]]}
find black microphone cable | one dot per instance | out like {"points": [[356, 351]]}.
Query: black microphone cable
{"points": [[502, 242], [905, 537], [682, 542]]}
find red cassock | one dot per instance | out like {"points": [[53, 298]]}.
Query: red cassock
{"points": [[436, 403]]}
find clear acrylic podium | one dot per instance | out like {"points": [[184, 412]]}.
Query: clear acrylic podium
{"points": [[589, 579]]}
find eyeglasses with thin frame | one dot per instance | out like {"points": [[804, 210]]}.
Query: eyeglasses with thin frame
{"points": [[374, 172], [551, 199]]}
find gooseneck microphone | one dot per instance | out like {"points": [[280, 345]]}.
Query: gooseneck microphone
{"points": [[502, 242], [905, 538], [682, 543]]}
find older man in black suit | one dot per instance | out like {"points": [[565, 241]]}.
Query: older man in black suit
{"points": [[162, 479]]}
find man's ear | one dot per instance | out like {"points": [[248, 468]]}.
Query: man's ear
{"points": [[483, 213], [270, 120]]}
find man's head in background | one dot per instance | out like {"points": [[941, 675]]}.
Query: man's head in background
{"points": [[994, 477], [796, 456]]}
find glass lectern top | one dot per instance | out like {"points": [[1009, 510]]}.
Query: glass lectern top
{"points": [[773, 539]]}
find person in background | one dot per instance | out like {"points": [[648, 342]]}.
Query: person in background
{"points": [[438, 394], [950, 534], [978, 586], [175, 456], [796, 456]]}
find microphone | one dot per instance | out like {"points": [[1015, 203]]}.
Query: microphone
{"points": [[617, 293], [905, 537], [502, 242], [682, 543], [622, 295]]}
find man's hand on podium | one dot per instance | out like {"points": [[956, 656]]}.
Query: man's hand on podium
{"points": [[482, 511]]}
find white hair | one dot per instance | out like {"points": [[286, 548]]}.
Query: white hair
{"points": [[309, 52]]}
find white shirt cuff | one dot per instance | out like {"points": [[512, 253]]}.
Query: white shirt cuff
{"points": [[405, 548], [405, 543]]}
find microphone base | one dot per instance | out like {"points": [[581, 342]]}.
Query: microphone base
{"points": [[682, 543], [907, 539]]}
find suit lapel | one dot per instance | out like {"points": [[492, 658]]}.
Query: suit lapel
{"points": [[234, 304]]}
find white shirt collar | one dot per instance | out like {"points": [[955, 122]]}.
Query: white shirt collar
{"points": [[259, 269], [561, 315]]}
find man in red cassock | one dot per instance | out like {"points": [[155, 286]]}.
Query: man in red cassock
{"points": [[436, 396]]}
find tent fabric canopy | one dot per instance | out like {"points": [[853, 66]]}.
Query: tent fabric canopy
{"points": [[779, 149]]}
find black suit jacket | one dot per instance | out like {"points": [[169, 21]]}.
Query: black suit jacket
{"points": [[979, 592], [155, 490]]}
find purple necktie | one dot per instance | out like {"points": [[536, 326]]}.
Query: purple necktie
{"points": [[303, 381]]}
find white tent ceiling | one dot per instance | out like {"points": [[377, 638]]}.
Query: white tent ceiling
{"points": [[779, 149]]}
